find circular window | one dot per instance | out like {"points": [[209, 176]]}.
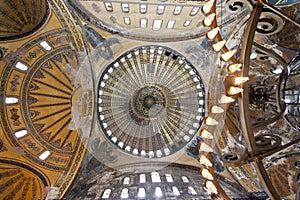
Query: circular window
{"points": [[150, 101]]}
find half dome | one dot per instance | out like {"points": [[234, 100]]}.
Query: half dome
{"points": [[19, 18]]}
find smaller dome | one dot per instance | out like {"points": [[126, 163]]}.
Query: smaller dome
{"points": [[21, 18]]}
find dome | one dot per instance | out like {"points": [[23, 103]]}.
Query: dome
{"points": [[151, 101], [22, 18]]}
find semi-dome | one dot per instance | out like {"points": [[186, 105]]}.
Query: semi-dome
{"points": [[20, 18]]}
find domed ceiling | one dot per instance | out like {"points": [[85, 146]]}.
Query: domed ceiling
{"points": [[151, 101], [114, 99], [21, 18], [41, 147]]}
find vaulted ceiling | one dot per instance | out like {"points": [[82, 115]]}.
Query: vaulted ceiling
{"points": [[94, 92]]}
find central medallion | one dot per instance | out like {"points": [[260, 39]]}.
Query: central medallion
{"points": [[150, 102], [147, 103]]}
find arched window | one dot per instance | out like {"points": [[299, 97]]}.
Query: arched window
{"points": [[21, 66], [169, 178], [46, 45], [21, 133], [11, 100], [142, 178], [192, 190], [126, 181], [141, 193], [185, 179], [155, 177], [106, 194], [175, 191], [124, 193], [158, 192], [44, 155]]}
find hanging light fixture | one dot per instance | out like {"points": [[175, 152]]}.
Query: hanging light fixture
{"points": [[234, 67], [225, 99], [226, 56], [205, 161], [210, 121], [219, 45], [204, 147], [207, 6], [240, 80], [234, 90], [205, 134], [212, 33], [217, 110], [206, 174], [211, 187], [209, 19]]}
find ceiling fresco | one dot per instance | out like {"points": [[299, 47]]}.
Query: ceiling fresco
{"points": [[164, 89], [22, 18], [40, 148], [21, 181]]}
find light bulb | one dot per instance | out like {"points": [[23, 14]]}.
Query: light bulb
{"points": [[206, 174], [217, 109], [212, 33], [209, 19], [205, 134], [226, 99], [235, 90], [211, 121], [226, 56], [207, 6], [204, 161], [234, 67], [211, 187], [219, 45], [204, 147], [240, 80]]}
